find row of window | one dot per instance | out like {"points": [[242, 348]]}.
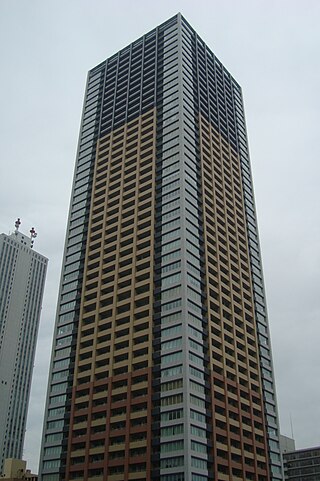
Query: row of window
{"points": [[86, 150]]}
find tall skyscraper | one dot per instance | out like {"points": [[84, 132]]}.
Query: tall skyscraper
{"points": [[161, 365], [22, 278]]}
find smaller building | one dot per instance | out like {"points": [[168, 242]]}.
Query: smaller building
{"points": [[286, 444], [15, 469], [302, 465], [22, 279]]}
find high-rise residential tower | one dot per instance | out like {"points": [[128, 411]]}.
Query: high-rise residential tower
{"points": [[22, 279], [161, 365]]}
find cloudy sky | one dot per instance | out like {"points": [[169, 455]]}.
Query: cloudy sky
{"points": [[272, 49]]}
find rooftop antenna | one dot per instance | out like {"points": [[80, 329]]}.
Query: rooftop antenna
{"points": [[291, 424], [17, 225], [33, 235]]}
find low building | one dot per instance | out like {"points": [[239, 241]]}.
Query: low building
{"points": [[286, 444], [15, 469], [302, 465]]}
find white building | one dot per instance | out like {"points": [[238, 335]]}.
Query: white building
{"points": [[22, 279]]}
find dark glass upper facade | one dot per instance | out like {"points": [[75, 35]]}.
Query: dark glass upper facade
{"points": [[161, 365]]}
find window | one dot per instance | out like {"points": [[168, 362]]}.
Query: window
{"points": [[56, 412], [196, 346], [171, 331], [171, 245], [170, 235], [171, 400], [171, 358], [195, 359], [170, 257], [54, 450], [58, 399], [195, 372], [173, 446], [198, 447], [172, 477], [197, 387], [54, 463], [60, 375], [171, 318], [170, 196], [50, 477], [55, 424], [172, 371], [171, 385], [194, 332], [172, 415], [198, 477], [171, 305], [199, 463], [197, 416], [172, 462], [169, 293], [171, 430], [197, 401], [53, 437], [196, 431], [170, 267]]}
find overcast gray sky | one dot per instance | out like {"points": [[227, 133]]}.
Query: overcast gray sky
{"points": [[272, 49]]}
